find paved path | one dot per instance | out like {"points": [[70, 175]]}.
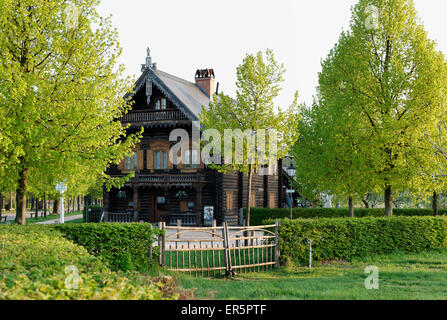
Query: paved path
{"points": [[12, 216]]}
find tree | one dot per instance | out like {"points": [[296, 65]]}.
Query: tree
{"points": [[253, 116], [60, 94], [326, 155], [389, 83]]}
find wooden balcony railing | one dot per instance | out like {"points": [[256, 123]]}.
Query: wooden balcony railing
{"points": [[187, 219], [124, 217], [152, 115], [170, 178]]}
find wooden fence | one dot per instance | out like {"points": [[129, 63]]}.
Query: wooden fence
{"points": [[216, 250]]}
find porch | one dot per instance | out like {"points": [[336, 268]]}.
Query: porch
{"points": [[154, 204]]}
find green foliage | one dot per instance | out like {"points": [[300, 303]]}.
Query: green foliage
{"points": [[61, 92], [33, 262], [120, 246], [360, 237], [382, 90], [253, 118], [258, 84], [262, 216]]}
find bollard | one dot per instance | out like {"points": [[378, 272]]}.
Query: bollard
{"points": [[310, 253]]}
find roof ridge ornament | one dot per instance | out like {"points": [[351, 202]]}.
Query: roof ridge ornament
{"points": [[148, 63]]}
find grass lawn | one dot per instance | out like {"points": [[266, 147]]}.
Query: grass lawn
{"points": [[401, 276], [76, 221], [48, 217]]}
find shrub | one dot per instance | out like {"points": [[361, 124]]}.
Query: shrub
{"points": [[33, 261], [340, 238], [259, 215], [120, 246]]}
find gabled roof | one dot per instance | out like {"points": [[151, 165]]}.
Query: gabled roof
{"points": [[186, 96], [189, 93]]}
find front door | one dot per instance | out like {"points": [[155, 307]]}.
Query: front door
{"points": [[160, 208]]}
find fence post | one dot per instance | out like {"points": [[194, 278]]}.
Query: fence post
{"points": [[179, 225], [277, 253], [241, 217], [214, 227], [228, 271]]}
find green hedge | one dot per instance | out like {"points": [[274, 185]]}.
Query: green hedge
{"points": [[259, 215], [33, 266], [121, 246], [339, 238]]}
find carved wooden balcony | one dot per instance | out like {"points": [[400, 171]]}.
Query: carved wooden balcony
{"points": [[153, 116], [169, 179]]}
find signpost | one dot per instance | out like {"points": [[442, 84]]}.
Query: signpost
{"points": [[61, 187], [208, 216]]}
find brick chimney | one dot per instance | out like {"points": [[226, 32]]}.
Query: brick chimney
{"points": [[205, 80]]}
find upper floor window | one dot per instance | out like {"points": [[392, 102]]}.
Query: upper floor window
{"points": [[191, 158], [131, 162], [161, 160], [160, 104]]}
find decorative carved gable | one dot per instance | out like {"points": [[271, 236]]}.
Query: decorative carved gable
{"points": [[160, 144]]}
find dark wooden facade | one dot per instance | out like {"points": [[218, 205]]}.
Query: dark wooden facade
{"points": [[160, 192]]}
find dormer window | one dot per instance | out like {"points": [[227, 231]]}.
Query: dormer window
{"points": [[160, 104]]}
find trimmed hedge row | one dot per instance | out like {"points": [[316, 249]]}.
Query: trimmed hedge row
{"points": [[120, 246], [37, 261], [259, 215], [340, 238]]}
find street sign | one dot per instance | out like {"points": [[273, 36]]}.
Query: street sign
{"points": [[61, 187], [290, 191]]}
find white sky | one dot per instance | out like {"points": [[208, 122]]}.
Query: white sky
{"points": [[185, 35]]}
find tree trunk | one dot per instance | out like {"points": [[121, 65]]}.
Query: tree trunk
{"points": [[250, 177], [435, 203], [56, 207], [365, 201], [79, 203], [351, 207], [21, 197], [389, 201], [45, 205], [37, 208]]}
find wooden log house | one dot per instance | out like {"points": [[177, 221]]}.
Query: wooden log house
{"points": [[161, 191]]}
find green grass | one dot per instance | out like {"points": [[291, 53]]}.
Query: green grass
{"points": [[48, 217], [401, 277], [81, 220]]}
